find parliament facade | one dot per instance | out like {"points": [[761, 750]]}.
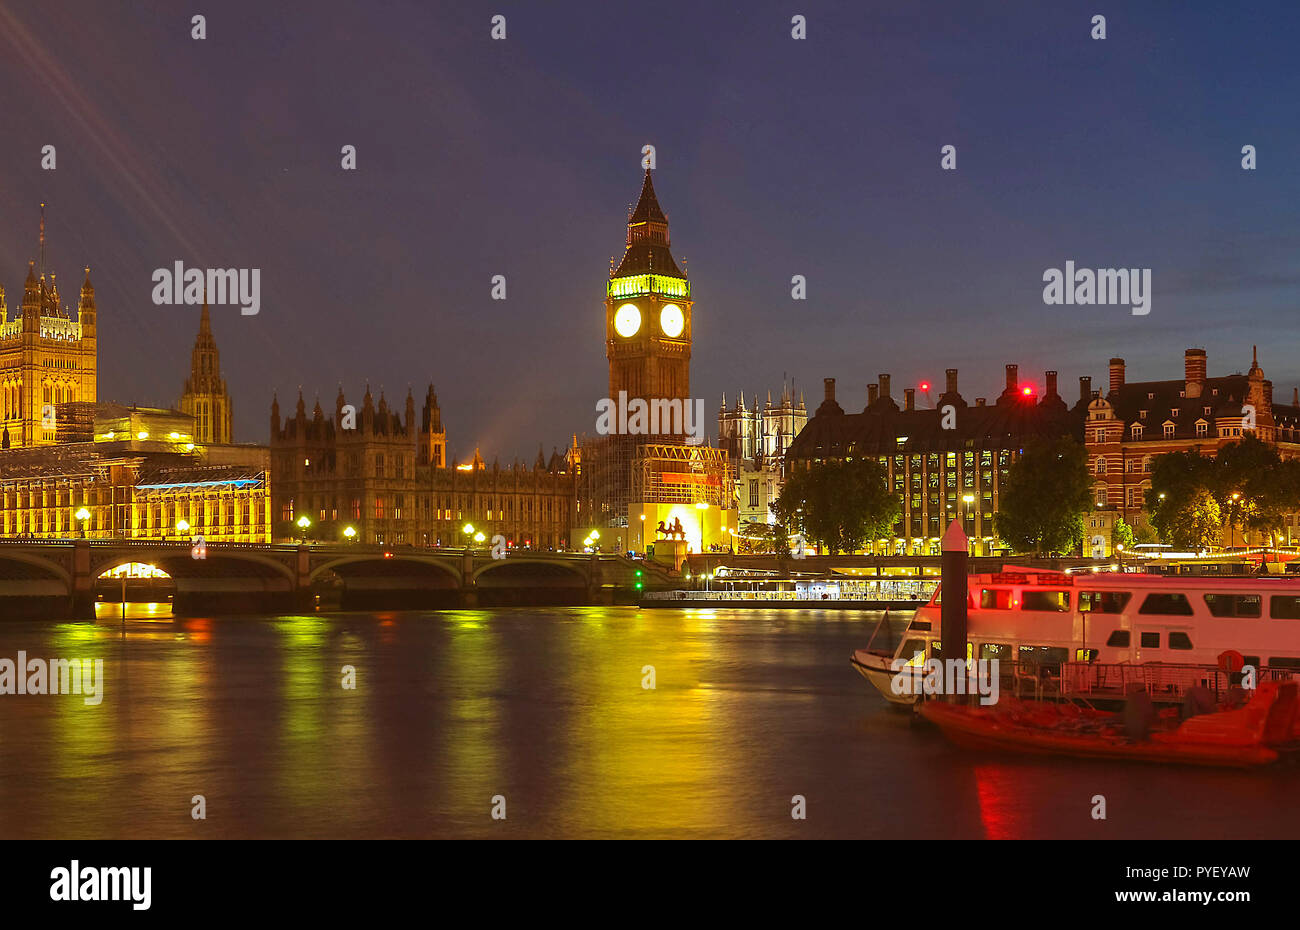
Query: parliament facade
{"points": [[71, 465], [385, 476]]}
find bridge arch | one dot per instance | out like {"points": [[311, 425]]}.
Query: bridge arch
{"points": [[448, 567]]}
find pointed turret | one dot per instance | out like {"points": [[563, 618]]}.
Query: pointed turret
{"points": [[275, 415], [85, 306], [647, 238], [540, 464]]}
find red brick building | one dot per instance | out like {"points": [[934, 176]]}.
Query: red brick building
{"points": [[1135, 421]]}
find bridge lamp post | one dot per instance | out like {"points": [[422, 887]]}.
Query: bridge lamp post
{"points": [[303, 523], [468, 530], [702, 505], [350, 533], [479, 537], [82, 516], [183, 526]]}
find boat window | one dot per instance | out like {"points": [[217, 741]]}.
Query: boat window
{"points": [[1043, 656], [1252, 661], [999, 651], [936, 649], [1058, 601], [913, 650], [922, 626], [1103, 602], [1085, 655], [1283, 662], [1179, 641], [996, 598], [1150, 641], [1167, 604], [1284, 607], [1235, 605], [1119, 639]]}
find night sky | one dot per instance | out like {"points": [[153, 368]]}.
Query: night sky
{"points": [[775, 157]]}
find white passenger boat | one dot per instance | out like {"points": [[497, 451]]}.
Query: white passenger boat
{"points": [[1035, 622]]}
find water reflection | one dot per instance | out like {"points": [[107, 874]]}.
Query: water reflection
{"points": [[547, 708]]}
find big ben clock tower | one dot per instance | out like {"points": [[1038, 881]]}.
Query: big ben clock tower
{"points": [[648, 311]]}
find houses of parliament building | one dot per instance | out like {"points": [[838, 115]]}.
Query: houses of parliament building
{"points": [[71, 465]]}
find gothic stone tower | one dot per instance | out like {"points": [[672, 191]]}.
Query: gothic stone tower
{"points": [[648, 311], [206, 398], [46, 357]]}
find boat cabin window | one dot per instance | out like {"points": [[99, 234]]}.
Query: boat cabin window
{"points": [[913, 651], [920, 625], [1284, 607], [1103, 602], [1251, 661], [1118, 639], [1234, 605], [1166, 604], [996, 598], [1058, 601], [1085, 655], [1150, 641], [1179, 640], [1283, 662], [1044, 656], [1000, 651]]}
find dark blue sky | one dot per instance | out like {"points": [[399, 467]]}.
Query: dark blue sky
{"points": [[775, 157]]}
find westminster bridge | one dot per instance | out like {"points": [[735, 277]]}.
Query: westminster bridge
{"points": [[61, 578]]}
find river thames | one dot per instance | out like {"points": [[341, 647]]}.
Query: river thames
{"points": [[545, 711]]}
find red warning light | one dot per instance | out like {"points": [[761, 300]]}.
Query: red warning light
{"points": [[925, 385], [1027, 390]]}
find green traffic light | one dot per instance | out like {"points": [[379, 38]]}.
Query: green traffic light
{"points": [[639, 586]]}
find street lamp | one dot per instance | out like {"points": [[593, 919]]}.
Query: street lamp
{"points": [[350, 533], [182, 527], [303, 523], [1232, 521], [82, 516]]}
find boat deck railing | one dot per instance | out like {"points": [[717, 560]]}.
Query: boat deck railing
{"points": [[1162, 681]]}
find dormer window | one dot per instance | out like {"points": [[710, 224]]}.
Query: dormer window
{"points": [[1174, 413], [1137, 429], [1142, 414], [1205, 410], [1150, 396], [1169, 430], [1214, 392], [1202, 428]]}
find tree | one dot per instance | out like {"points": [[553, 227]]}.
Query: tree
{"points": [[1197, 524], [1252, 488], [1045, 496], [1121, 535], [838, 505]]}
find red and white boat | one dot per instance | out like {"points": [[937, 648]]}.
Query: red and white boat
{"points": [[1036, 622]]}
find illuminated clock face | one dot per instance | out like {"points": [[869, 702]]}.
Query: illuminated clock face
{"points": [[671, 321], [627, 320]]}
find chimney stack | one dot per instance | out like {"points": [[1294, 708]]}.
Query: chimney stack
{"points": [[884, 386], [909, 398], [873, 393], [952, 380], [1085, 389], [830, 390], [1116, 374], [1194, 364], [1050, 378]]}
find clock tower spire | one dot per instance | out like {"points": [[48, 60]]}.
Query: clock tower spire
{"points": [[648, 310]]}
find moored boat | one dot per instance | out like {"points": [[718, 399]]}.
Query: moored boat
{"points": [[1057, 631], [1245, 737]]}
